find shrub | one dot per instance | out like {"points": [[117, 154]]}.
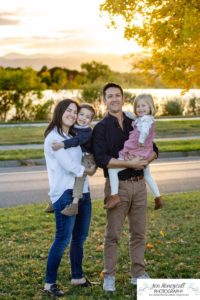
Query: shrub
{"points": [[41, 111], [193, 107], [172, 108]]}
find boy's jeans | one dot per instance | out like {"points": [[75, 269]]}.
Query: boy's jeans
{"points": [[74, 228]]}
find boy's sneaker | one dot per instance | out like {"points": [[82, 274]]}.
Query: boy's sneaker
{"points": [[49, 208], [109, 283], [54, 291], [70, 210], [143, 276]]}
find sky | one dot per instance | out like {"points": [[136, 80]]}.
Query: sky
{"points": [[57, 27]]}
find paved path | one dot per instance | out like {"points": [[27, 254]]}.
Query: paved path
{"points": [[22, 185]]}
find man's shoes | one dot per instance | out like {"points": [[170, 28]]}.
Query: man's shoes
{"points": [[82, 283], [70, 210], [111, 201], [109, 283], [49, 208], [158, 203], [54, 291], [142, 276]]}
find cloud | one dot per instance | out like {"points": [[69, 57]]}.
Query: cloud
{"points": [[6, 20], [69, 42], [50, 45]]}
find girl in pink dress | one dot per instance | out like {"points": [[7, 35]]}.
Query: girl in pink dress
{"points": [[140, 143]]}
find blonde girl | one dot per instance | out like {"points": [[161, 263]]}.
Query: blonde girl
{"points": [[140, 143]]}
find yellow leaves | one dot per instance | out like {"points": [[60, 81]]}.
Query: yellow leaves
{"points": [[101, 275], [169, 28], [149, 246], [162, 233], [99, 248]]}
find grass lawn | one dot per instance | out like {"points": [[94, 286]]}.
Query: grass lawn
{"points": [[172, 249], [180, 128], [34, 135], [164, 146]]}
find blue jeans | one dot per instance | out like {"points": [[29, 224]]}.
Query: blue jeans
{"points": [[74, 228]]}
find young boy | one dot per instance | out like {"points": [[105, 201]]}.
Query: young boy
{"points": [[83, 136]]}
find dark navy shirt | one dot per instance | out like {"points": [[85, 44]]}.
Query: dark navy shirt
{"points": [[82, 137], [108, 139]]}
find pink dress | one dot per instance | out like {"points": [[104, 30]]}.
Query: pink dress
{"points": [[143, 132]]}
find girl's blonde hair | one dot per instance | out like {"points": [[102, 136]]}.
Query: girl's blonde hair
{"points": [[148, 99]]}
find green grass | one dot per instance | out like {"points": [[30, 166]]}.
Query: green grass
{"points": [[178, 145], [172, 128], [31, 135], [27, 233], [21, 135], [21, 154], [164, 146]]}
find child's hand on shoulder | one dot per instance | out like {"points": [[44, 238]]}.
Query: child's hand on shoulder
{"points": [[57, 145]]}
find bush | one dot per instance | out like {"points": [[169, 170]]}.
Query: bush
{"points": [[42, 111], [192, 107], [172, 108]]}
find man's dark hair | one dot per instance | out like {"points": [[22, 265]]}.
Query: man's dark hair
{"points": [[88, 107], [110, 85]]}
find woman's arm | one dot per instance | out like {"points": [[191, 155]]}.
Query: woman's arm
{"points": [[63, 157]]}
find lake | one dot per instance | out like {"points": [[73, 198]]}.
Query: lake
{"points": [[158, 94]]}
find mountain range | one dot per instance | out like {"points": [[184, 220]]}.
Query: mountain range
{"points": [[71, 60]]}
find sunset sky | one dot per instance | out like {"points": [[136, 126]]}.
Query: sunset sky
{"points": [[57, 27]]}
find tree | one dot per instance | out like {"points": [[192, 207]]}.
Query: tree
{"points": [[169, 29], [45, 76], [95, 70], [22, 84], [59, 79], [5, 104]]}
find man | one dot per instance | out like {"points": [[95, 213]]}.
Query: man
{"points": [[109, 136]]}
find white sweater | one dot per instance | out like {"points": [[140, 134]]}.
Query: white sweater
{"points": [[62, 166]]}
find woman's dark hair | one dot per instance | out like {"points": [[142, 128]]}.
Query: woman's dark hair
{"points": [[57, 115], [112, 85]]}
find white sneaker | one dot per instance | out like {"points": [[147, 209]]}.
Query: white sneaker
{"points": [[143, 276], [109, 283]]}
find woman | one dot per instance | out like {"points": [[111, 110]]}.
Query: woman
{"points": [[62, 167]]}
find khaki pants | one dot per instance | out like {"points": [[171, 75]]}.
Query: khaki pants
{"points": [[133, 204], [87, 162]]}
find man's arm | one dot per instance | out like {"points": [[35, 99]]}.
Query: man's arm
{"points": [[156, 151], [152, 157], [134, 163], [103, 160]]}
